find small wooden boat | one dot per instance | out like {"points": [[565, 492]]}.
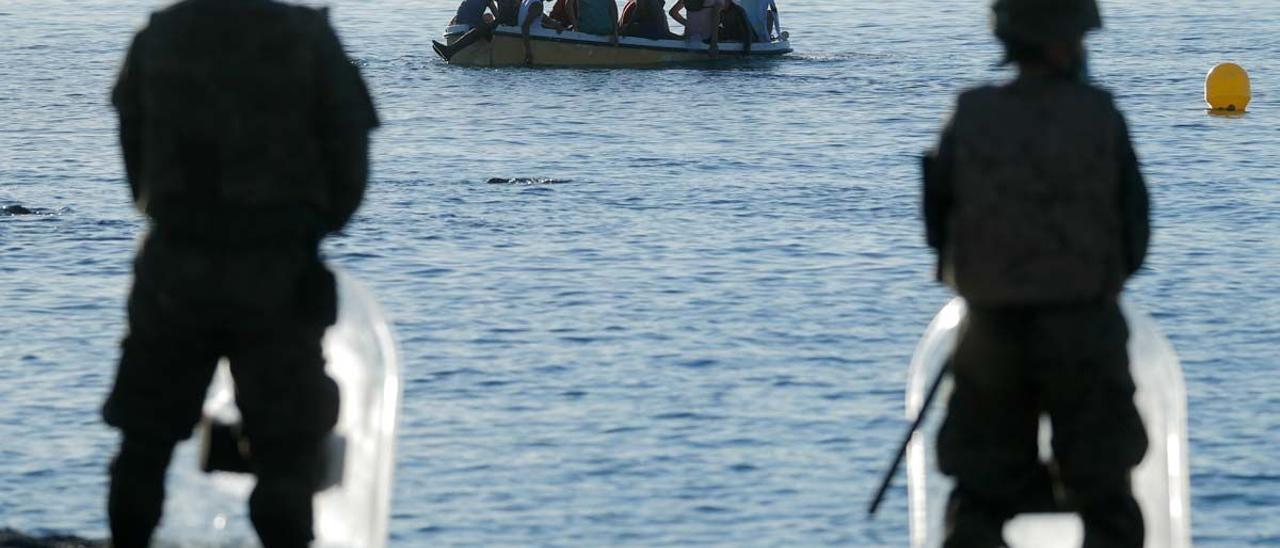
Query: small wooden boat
{"points": [[504, 46]]}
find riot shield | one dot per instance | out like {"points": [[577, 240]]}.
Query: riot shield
{"points": [[210, 509], [1160, 482]]}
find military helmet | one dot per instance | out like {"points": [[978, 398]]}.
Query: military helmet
{"points": [[1044, 21]]}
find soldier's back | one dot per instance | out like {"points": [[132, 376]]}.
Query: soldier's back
{"points": [[1036, 188], [229, 92], [228, 66]]}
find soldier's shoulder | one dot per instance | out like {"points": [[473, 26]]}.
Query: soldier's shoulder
{"points": [[1093, 91], [307, 15], [317, 13], [167, 21], [175, 8], [168, 13], [979, 91], [299, 14], [978, 95], [1099, 97]]}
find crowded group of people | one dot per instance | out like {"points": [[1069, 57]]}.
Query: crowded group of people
{"points": [[708, 21]]}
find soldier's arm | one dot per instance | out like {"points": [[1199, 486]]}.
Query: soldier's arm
{"points": [[937, 189], [936, 167], [128, 104], [1135, 207], [346, 117]]}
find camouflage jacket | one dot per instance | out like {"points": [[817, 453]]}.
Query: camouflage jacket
{"points": [[243, 119], [1034, 195]]}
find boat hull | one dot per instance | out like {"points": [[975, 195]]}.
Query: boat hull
{"points": [[506, 48]]}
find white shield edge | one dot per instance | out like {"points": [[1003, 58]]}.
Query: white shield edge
{"points": [[210, 510], [1161, 482]]}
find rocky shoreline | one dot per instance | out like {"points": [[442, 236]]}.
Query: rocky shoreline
{"points": [[14, 539]]}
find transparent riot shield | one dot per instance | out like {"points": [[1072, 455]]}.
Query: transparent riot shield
{"points": [[352, 511], [1160, 482]]}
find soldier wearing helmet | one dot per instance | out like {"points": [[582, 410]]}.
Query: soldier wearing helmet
{"points": [[1036, 207], [244, 129]]}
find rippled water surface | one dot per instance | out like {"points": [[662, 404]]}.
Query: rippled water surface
{"points": [[687, 320]]}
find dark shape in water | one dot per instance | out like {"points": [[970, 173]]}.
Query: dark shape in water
{"points": [[17, 210], [526, 181], [13, 539]]}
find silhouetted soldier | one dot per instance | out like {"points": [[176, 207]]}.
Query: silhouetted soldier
{"points": [[245, 135], [1038, 211]]}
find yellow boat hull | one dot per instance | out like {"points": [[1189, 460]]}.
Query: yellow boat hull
{"points": [[506, 48]]}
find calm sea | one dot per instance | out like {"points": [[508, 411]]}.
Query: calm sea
{"points": [[688, 322]]}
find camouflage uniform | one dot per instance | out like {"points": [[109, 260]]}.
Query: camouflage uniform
{"points": [[1038, 211], [244, 129]]}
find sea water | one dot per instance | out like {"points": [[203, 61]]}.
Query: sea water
{"points": [[653, 307]]}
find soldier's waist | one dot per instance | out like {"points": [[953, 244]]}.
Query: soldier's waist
{"points": [[236, 225], [1027, 304]]}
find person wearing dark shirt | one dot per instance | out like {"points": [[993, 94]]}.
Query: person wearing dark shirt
{"points": [[734, 26], [562, 12], [599, 17], [472, 13], [1037, 209], [245, 130], [646, 19]]}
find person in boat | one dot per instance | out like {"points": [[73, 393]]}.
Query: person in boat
{"points": [[472, 13], [599, 17], [508, 12], [772, 26], [532, 11], [244, 129], [734, 26], [504, 12], [645, 19], [562, 13], [756, 17], [1037, 209], [701, 21]]}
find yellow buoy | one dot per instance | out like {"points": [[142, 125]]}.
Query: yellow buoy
{"points": [[1227, 88]]}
